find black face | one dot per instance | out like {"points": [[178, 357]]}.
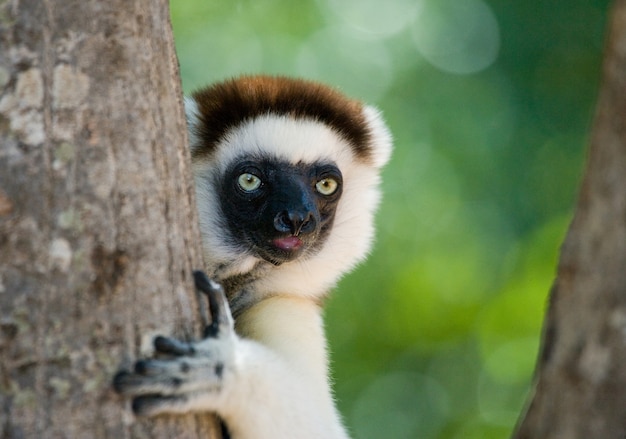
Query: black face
{"points": [[280, 210]]}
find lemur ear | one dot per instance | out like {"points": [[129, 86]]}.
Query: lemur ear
{"points": [[381, 141]]}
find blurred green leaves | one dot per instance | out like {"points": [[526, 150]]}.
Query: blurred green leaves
{"points": [[490, 103]]}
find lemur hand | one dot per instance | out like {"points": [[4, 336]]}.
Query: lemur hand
{"points": [[191, 376]]}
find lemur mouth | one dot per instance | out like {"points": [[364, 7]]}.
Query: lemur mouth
{"points": [[282, 249], [288, 243]]}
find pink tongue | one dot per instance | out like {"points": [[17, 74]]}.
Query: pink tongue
{"points": [[289, 243]]}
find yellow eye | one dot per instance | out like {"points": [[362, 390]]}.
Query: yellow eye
{"points": [[326, 186], [248, 182]]}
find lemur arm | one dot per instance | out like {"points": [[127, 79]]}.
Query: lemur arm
{"points": [[272, 385]]}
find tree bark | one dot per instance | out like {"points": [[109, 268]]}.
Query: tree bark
{"points": [[98, 230], [580, 383]]}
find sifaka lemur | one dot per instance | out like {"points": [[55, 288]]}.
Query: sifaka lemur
{"points": [[287, 176]]}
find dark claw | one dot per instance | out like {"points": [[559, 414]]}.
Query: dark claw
{"points": [[119, 380], [212, 330], [166, 345], [141, 367], [203, 283], [141, 405], [218, 305]]}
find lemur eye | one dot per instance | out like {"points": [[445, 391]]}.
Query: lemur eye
{"points": [[248, 182], [326, 186]]}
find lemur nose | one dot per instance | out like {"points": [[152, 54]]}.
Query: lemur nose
{"points": [[295, 222]]}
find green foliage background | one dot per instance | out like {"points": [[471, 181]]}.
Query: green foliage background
{"points": [[490, 103]]}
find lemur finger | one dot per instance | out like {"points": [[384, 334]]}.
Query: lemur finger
{"points": [[170, 377], [166, 345], [222, 320], [152, 405], [129, 384]]}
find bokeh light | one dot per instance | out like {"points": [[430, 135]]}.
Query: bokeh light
{"points": [[374, 18], [490, 104], [457, 36], [321, 58]]}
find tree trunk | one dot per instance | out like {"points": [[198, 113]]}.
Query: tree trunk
{"points": [[580, 383], [98, 231]]}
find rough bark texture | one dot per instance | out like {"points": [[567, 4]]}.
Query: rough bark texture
{"points": [[98, 232], [580, 388]]}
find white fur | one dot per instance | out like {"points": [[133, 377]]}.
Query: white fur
{"points": [[381, 136], [281, 389]]}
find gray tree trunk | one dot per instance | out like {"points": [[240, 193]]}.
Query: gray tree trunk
{"points": [[98, 233], [580, 383]]}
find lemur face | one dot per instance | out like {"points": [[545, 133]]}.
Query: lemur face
{"points": [[287, 173], [278, 209]]}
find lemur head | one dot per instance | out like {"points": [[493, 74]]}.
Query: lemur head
{"points": [[287, 176]]}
